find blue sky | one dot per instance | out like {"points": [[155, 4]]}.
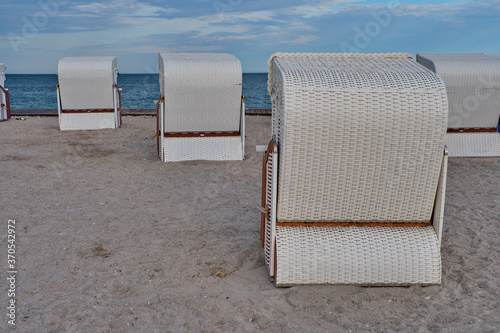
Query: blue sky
{"points": [[35, 34]]}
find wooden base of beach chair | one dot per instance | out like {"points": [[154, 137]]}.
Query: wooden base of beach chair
{"points": [[88, 120], [473, 144]]}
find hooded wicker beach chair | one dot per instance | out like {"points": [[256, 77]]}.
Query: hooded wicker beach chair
{"points": [[473, 85], [201, 112], [354, 177], [4, 96], [88, 96]]}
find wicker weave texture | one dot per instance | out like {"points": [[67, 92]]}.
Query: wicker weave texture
{"points": [[360, 137], [202, 91], [473, 85], [438, 213], [202, 148], [357, 255], [86, 83], [87, 121], [313, 255], [4, 100], [2, 74], [473, 144], [3, 111], [268, 226]]}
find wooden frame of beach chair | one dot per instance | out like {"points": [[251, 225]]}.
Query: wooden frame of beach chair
{"points": [[201, 112], [88, 97], [354, 178], [473, 86], [4, 96]]}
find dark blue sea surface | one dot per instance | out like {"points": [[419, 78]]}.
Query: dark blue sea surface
{"points": [[32, 91], [138, 91], [255, 91]]}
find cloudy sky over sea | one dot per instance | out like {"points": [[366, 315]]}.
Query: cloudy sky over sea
{"points": [[35, 34]]}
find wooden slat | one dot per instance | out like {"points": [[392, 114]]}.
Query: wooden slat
{"points": [[351, 224], [88, 111], [471, 130], [199, 134], [264, 216]]}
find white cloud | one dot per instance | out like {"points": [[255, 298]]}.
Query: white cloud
{"points": [[124, 7], [304, 39], [238, 37], [314, 8], [257, 28], [209, 48], [255, 16], [93, 7], [447, 11]]}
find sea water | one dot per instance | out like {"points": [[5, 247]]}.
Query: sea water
{"points": [[139, 91]]}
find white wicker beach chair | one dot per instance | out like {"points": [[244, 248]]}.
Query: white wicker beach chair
{"points": [[354, 178], [4, 96], [201, 112], [473, 85], [87, 95]]}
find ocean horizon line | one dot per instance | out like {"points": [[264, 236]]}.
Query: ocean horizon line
{"points": [[37, 91], [119, 73], [50, 112]]}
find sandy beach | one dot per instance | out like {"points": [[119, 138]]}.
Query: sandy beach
{"points": [[111, 239]]}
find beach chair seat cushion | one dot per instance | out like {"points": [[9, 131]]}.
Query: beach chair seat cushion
{"points": [[357, 255]]}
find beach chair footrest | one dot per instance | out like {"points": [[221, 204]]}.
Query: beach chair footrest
{"points": [[216, 148], [473, 144], [357, 255], [87, 121]]}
